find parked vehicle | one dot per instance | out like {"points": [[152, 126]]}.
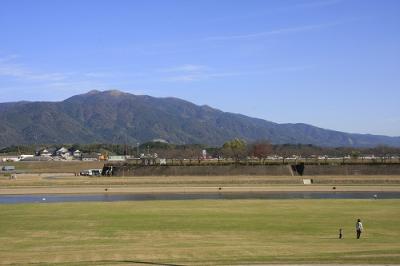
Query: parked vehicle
{"points": [[8, 168], [91, 172], [85, 172], [96, 172]]}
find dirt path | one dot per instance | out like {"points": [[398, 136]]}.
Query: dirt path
{"points": [[156, 264], [189, 189]]}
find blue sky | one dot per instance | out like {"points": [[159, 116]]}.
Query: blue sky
{"points": [[331, 63]]}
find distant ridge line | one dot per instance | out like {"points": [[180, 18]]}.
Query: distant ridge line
{"points": [[118, 117]]}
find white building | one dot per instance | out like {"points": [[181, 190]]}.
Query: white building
{"points": [[24, 156], [90, 157], [45, 153], [77, 154], [117, 158]]}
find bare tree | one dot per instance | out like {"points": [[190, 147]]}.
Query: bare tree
{"points": [[261, 149]]}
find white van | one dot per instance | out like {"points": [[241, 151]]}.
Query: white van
{"points": [[91, 172]]}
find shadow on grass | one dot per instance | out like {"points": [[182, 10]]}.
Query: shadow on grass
{"points": [[149, 263], [107, 262]]}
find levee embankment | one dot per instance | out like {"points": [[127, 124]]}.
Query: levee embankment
{"points": [[265, 170]]}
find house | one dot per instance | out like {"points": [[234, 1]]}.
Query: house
{"points": [[45, 153], [62, 151], [67, 156]]}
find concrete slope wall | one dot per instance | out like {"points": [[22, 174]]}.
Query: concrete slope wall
{"points": [[201, 170], [353, 169], [273, 170]]}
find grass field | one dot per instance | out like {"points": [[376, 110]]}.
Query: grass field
{"points": [[201, 232]]}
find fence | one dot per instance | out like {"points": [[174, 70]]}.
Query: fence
{"points": [[280, 161]]}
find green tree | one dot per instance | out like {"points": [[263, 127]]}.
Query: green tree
{"points": [[355, 154], [235, 148]]}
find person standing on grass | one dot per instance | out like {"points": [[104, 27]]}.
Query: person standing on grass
{"points": [[359, 228]]}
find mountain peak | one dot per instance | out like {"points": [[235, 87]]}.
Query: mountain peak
{"points": [[107, 92], [114, 93], [93, 92]]}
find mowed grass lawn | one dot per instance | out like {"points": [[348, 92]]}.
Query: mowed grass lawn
{"points": [[200, 232]]}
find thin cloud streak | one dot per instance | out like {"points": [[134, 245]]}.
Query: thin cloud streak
{"points": [[272, 32], [285, 8], [184, 68], [8, 58], [186, 72], [21, 73], [9, 69], [322, 3], [194, 76], [200, 76], [191, 72], [105, 79], [111, 74]]}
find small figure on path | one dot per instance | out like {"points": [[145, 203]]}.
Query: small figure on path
{"points": [[340, 233], [359, 228]]}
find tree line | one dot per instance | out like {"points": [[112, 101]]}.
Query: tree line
{"points": [[235, 149]]}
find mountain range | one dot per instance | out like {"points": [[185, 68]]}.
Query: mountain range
{"points": [[119, 117]]}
